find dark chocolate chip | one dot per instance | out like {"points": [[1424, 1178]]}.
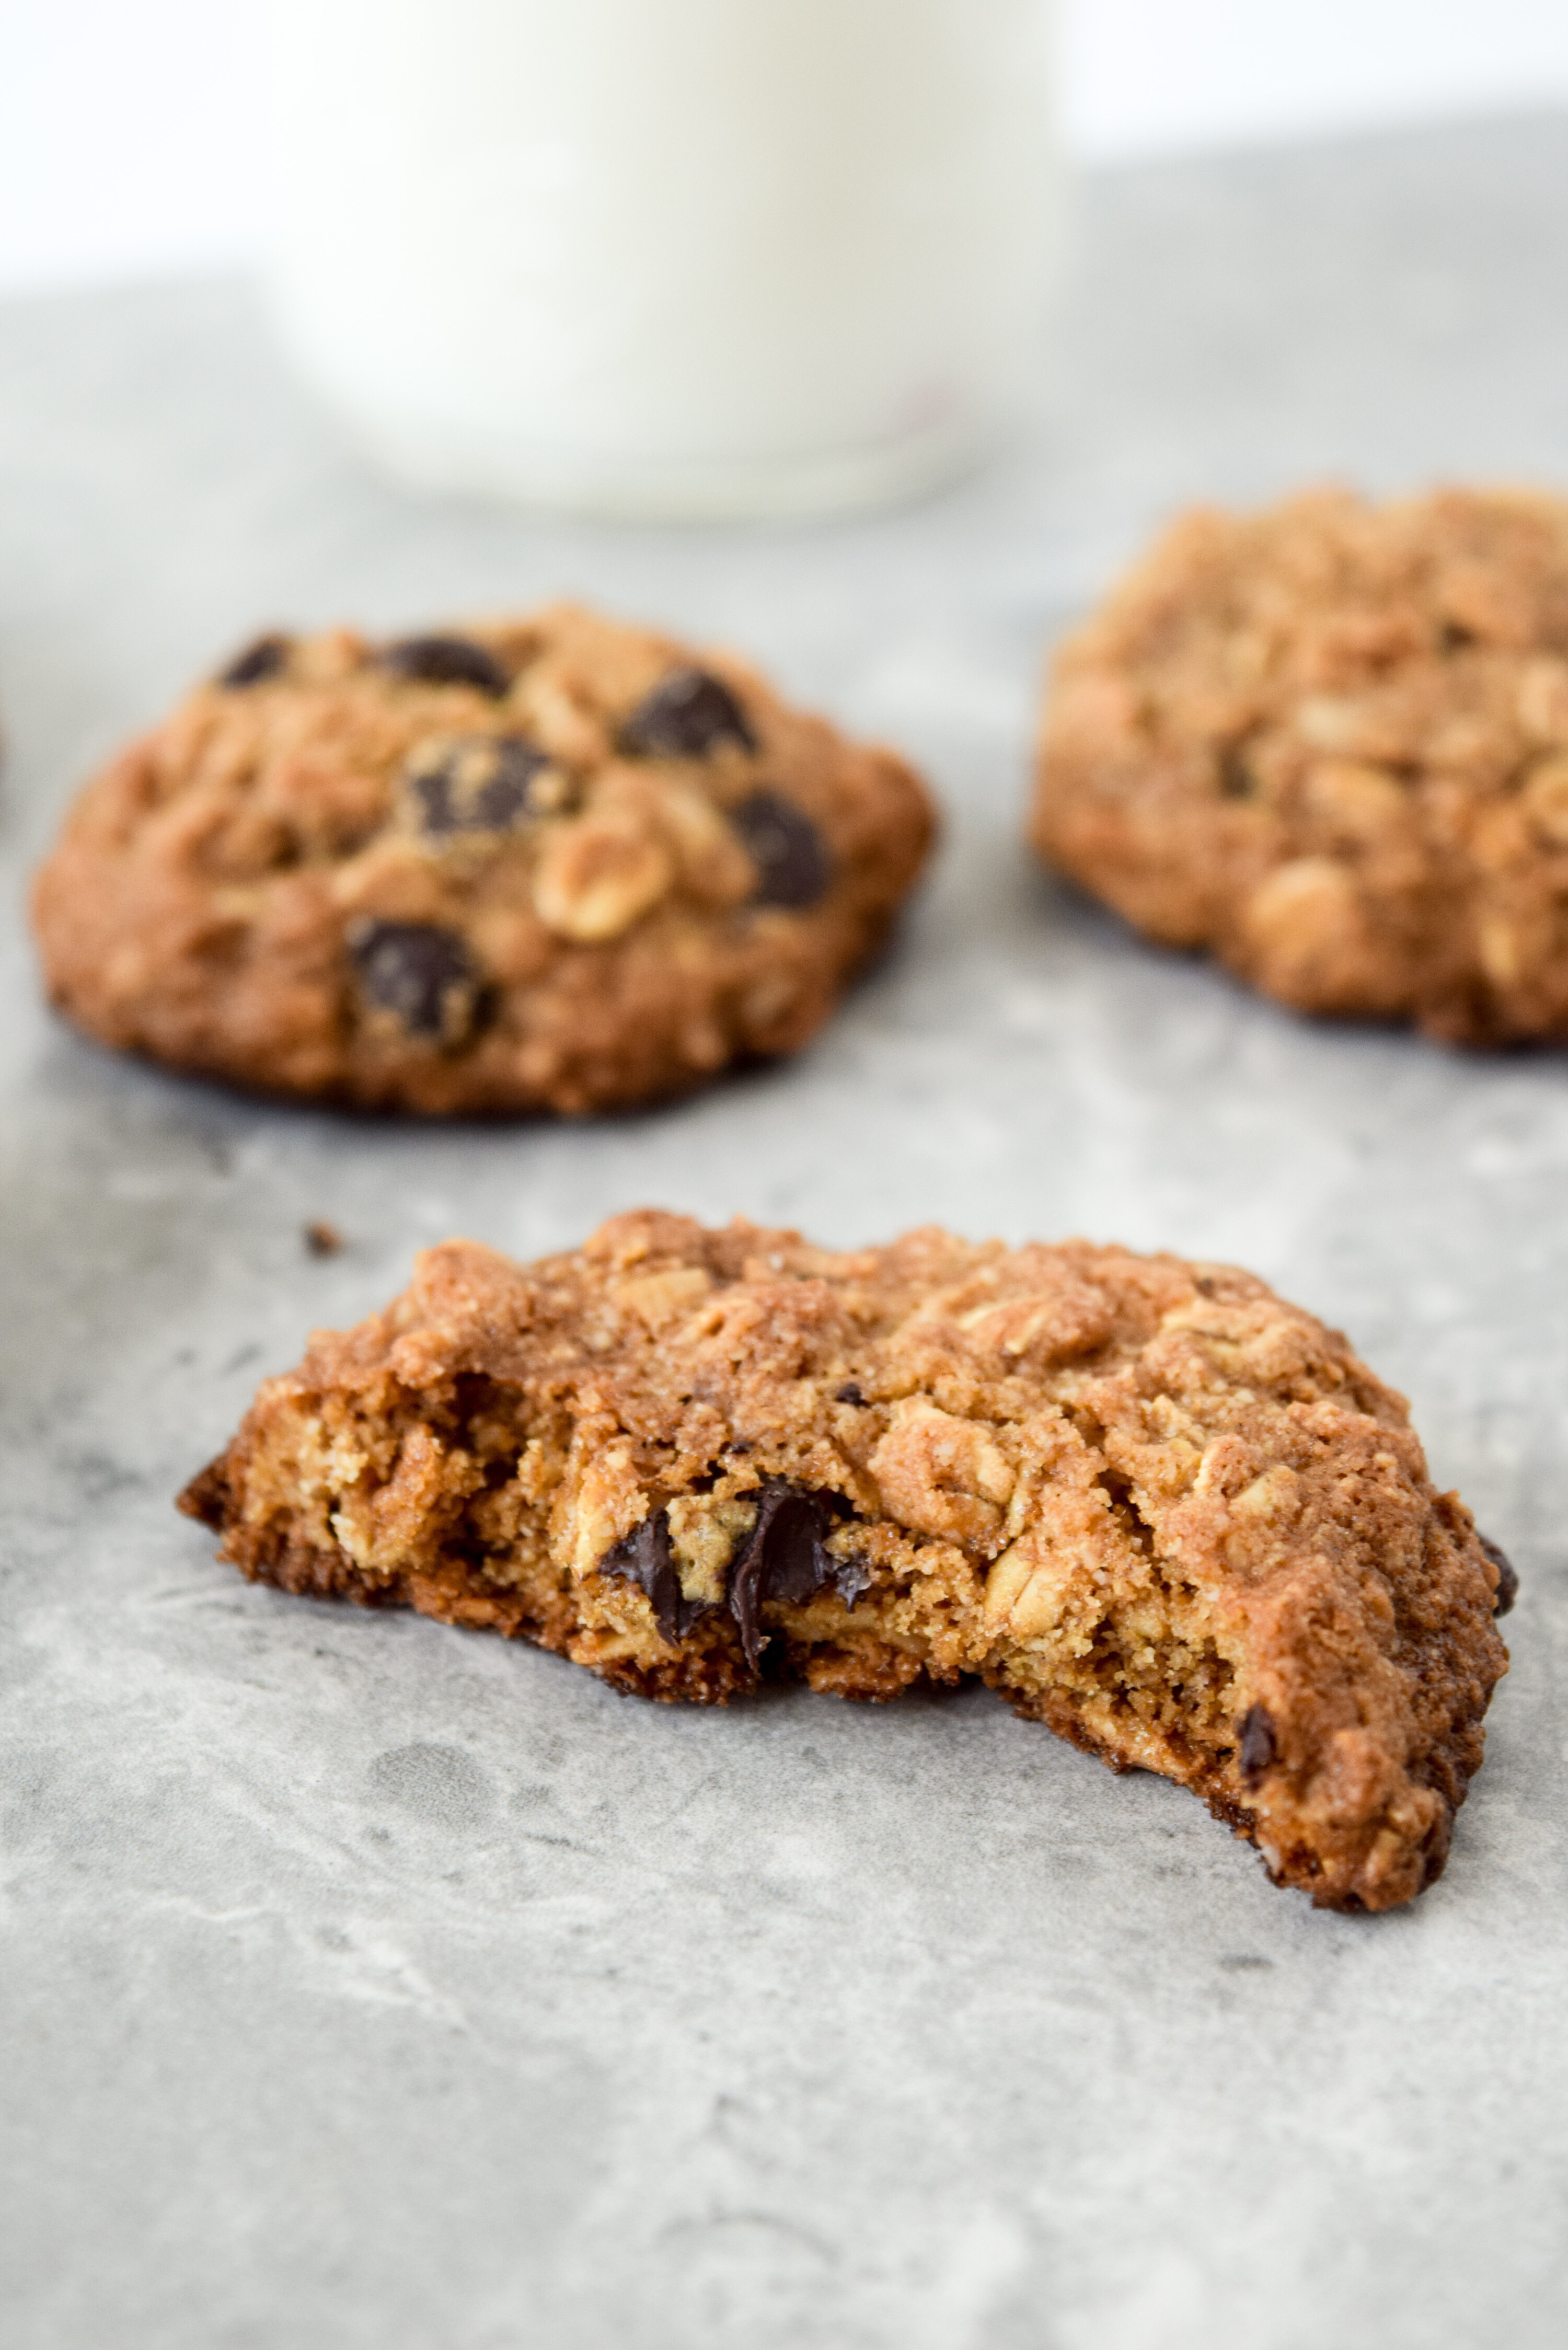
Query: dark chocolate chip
{"points": [[686, 716], [1507, 1576], [508, 797], [431, 791], [262, 658], [784, 1557], [851, 1393], [425, 977], [1236, 781], [645, 1558], [486, 783], [1258, 1748], [793, 868], [444, 661]]}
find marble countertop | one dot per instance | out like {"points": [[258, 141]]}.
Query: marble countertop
{"points": [[369, 1982]]}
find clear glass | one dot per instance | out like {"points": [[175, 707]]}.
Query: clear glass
{"points": [[667, 257]]}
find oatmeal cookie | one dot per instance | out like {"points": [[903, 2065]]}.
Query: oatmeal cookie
{"points": [[1329, 744], [1159, 1510], [551, 863]]}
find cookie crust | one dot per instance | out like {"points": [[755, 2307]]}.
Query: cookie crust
{"points": [[1328, 745], [1158, 1509], [545, 864]]}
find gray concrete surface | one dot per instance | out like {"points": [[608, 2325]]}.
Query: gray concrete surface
{"points": [[369, 1984]]}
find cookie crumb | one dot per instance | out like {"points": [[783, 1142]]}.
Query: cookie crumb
{"points": [[321, 1239]]}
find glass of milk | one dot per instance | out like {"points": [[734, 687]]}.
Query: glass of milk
{"points": [[667, 257]]}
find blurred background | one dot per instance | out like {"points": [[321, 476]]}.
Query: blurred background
{"points": [[133, 141]]}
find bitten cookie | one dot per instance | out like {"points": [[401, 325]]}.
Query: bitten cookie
{"points": [[551, 863], [1157, 1508], [1329, 744]]}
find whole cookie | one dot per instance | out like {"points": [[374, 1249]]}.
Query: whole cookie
{"points": [[1329, 744], [544, 863], [1158, 1509]]}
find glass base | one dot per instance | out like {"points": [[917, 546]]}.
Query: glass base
{"points": [[668, 489]]}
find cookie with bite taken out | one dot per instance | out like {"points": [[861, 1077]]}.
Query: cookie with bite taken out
{"points": [[1158, 1508]]}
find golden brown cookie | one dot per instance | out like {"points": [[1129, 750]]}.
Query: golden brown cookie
{"points": [[1329, 744], [548, 863], [1158, 1509]]}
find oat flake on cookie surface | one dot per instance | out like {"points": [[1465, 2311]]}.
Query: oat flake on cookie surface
{"points": [[549, 863], [1155, 1506], [1328, 743]]}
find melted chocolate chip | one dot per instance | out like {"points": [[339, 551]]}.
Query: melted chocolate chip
{"points": [[793, 868], [645, 1558], [785, 1558], [486, 783], [1507, 1576], [687, 715], [1257, 1747], [444, 661], [262, 658], [425, 977], [851, 1393]]}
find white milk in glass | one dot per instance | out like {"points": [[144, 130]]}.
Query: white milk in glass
{"points": [[668, 256]]}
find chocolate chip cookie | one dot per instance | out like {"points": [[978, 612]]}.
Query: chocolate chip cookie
{"points": [[551, 863], [1329, 744], [1159, 1510]]}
